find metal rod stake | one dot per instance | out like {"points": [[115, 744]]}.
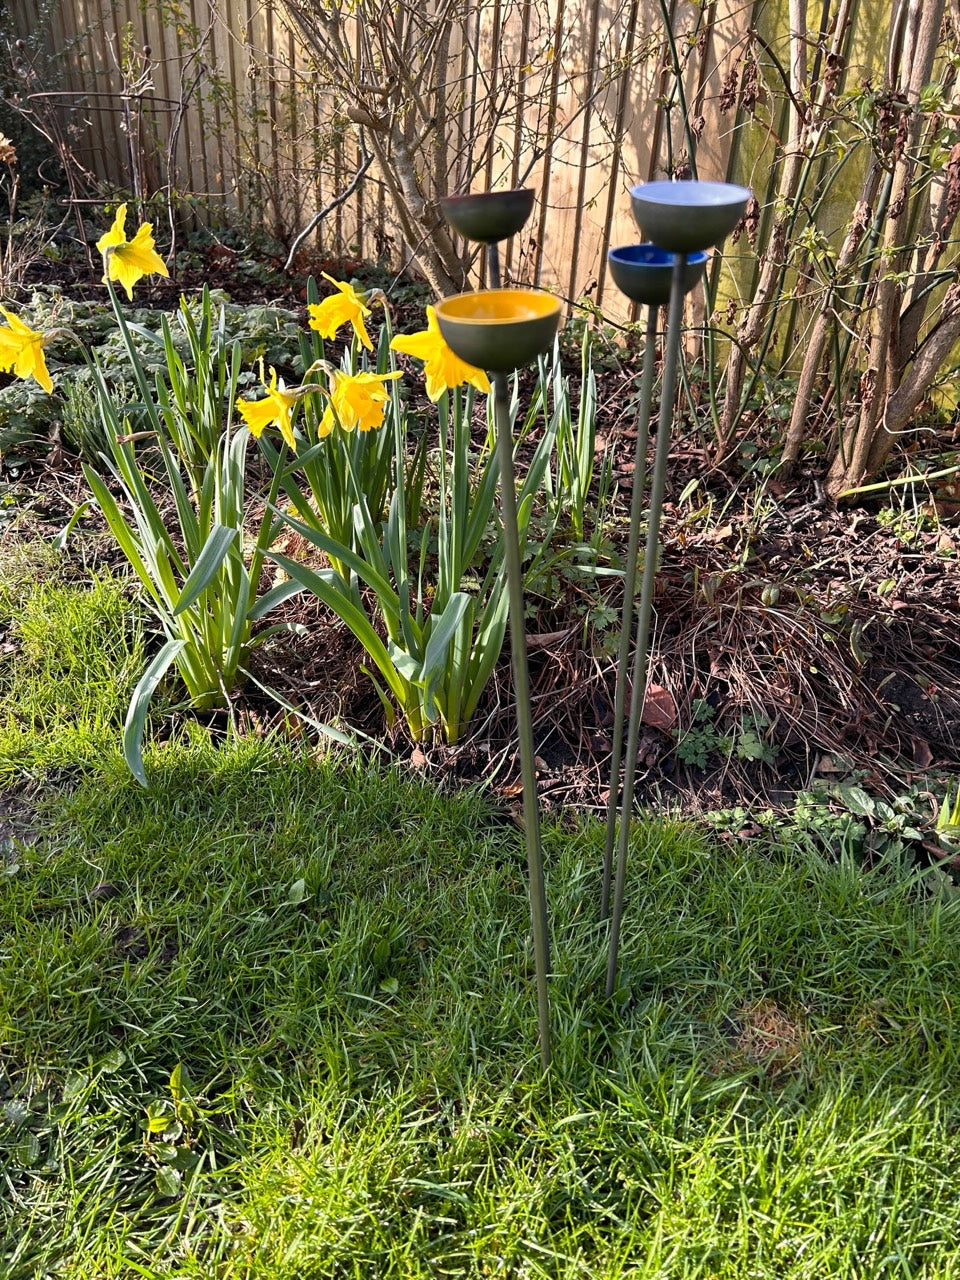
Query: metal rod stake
{"points": [[521, 680], [629, 604], [670, 363], [493, 265]]}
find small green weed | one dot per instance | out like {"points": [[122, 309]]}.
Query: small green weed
{"points": [[908, 520], [703, 738]]}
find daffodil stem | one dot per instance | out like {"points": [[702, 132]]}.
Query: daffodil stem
{"points": [[637, 693], [521, 680], [629, 603], [138, 372]]}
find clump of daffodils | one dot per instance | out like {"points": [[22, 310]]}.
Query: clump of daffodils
{"points": [[354, 401]]}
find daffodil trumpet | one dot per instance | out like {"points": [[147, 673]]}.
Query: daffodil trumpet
{"points": [[443, 370], [128, 261], [346, 305], [275, 408], [21, 350]]}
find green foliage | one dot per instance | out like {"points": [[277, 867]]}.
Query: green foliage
{"points": [[444, 610], [27, 415], [845, 820], [200, 581], [909, 521], [576, 435], [749, 741], [327, 1060], [72, 660], [196, 396], [696, 743]]}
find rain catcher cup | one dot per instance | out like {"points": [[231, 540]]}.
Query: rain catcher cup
{"points": [[685, 216], [499, 329], [488, 216], [644, 272]]}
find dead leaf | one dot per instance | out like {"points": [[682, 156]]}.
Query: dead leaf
{"points": [[719, 535], [922, 755], [659, 708], [827, 764], [544, 639]]}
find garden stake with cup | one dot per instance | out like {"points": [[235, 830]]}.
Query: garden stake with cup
{"points": [[681, 220], [501, 330], [644, 273]]}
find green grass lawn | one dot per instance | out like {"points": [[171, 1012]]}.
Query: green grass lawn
{"points": [[275, 1018]]}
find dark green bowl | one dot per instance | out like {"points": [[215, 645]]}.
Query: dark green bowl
{"points": [[488, 216], [686, 216], [645, 273], [499, 329]]}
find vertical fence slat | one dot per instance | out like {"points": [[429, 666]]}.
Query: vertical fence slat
{"points": [[586, 96], [614, 196], [551, 128], [206, 148], [230, 39]]}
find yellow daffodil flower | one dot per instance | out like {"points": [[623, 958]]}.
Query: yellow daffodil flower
{"points": [[344, 307], [274, 410], [21, 351], [130, 260], [442, 368], [357, 401]]}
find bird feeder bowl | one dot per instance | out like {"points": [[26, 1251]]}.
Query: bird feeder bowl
{"points": [[499, 329], [686, 216], [488, 216], [644, 272]]}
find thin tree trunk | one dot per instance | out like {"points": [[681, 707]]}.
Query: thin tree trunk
{"points": [[870, 433], [810, 371], [908, 396], [807, 125]]}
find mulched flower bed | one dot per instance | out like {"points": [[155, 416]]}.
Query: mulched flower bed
{"points": [[793, 639]]}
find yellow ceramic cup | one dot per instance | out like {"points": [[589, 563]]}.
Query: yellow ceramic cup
{"points": [[499, 329]]}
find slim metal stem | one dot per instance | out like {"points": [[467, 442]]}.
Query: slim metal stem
{"points": [[493, 266], [521, 680], [629, 604], [670, 363]]}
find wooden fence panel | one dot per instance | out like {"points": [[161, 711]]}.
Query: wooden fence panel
{"points": [[235, 119]]}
